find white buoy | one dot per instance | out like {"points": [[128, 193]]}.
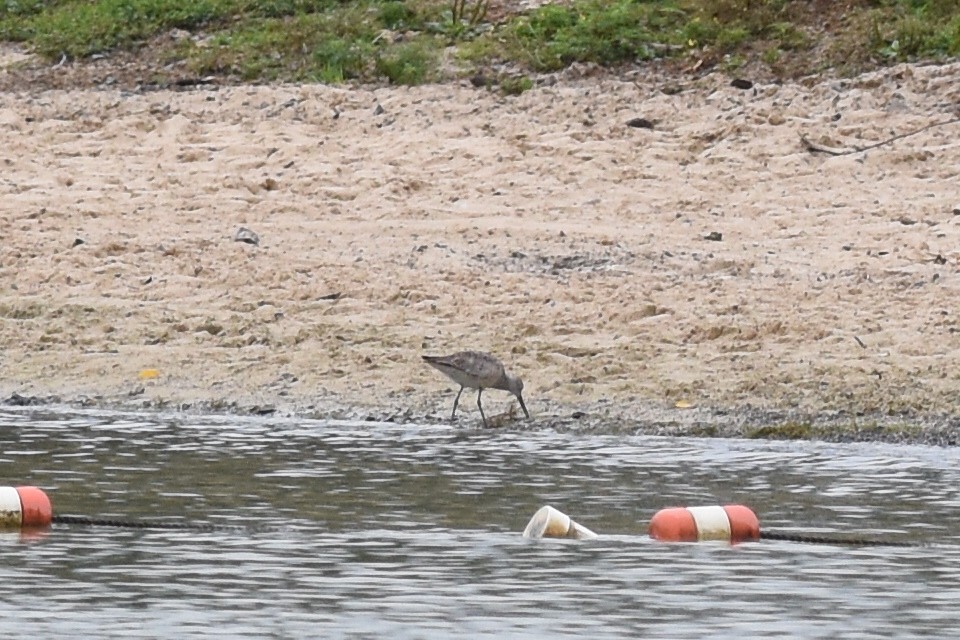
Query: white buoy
{"points": [[547, 522]]}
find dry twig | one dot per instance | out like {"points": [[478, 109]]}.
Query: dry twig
{"points": [[837, 151]]}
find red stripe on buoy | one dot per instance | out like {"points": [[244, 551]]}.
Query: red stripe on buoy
{"points": [[36, 507], [680, 524], [673, 525], [744, 524]]}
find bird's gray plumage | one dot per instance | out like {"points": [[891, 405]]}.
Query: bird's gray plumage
{"points": [[477, 370]]}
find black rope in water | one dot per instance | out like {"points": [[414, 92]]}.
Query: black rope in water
{"points": [[145, 524], [856, 542]]}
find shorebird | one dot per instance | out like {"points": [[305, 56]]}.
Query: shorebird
{"points": [[477, 370]]}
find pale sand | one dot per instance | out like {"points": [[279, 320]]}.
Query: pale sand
{"points": [[540, 228]]}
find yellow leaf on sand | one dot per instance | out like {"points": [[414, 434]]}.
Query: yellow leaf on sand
{"points": [[683, 404], [149, 374]]}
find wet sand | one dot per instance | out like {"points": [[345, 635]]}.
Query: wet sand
{"points": [[711, 270]]}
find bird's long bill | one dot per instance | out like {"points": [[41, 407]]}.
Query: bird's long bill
{"points": [[523, 406]]}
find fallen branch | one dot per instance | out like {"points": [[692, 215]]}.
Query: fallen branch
{"points": [[816, 146], [838, 151]]}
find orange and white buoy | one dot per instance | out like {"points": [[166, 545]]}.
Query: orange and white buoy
{"points": [[730, 523], [24, 508], [548, 522]]}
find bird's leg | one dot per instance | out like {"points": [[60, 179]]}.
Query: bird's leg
{"points": [[453, 416], [479, 393]]}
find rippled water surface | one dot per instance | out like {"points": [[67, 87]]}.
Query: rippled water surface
{"points": [[407, 531]]}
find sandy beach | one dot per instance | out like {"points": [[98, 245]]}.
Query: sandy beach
{"points": [[712, 263]]}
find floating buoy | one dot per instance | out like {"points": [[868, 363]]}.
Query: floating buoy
{"points": [[730, 523], [24, 507], [548, 522]]}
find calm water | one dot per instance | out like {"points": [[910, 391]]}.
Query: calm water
{"points": [[407, 531]]}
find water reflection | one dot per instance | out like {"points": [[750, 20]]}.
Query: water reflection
{"points": [[413, 532]]}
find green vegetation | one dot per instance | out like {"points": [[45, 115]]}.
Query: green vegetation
{"points": [[415, 41], [467, 14], [852, 431], [515, 85], [787, 431], [553, 36]]}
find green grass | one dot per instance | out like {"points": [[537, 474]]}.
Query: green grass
{"points": [[79, 30], [414, 41], [328, 48], [920, 33], [408, 63], [554, 36]]}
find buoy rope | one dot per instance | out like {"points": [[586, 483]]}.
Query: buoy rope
{"points": [[146, 524], [856, 542], [196, 526]]}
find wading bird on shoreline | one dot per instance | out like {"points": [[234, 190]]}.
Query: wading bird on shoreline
{"points": [[477, 370]]}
